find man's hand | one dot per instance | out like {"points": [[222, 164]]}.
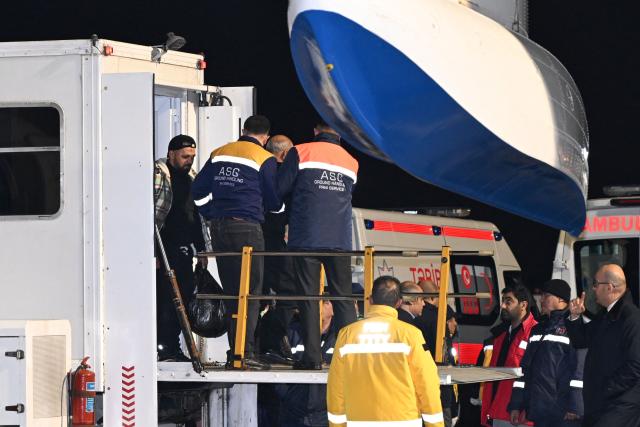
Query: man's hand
{"points": [[515, 417], [576, 307], [570, 416], [203, 261]]}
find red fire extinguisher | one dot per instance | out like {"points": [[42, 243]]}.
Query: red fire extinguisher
{"points": [[83, 394]]}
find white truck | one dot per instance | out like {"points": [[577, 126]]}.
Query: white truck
{"points": [[611, 234], [81, 123]]}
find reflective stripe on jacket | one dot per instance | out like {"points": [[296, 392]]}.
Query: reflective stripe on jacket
{"points": [[381, 375], [552, 382], [238, 181], [495, 406], [318, 177]]}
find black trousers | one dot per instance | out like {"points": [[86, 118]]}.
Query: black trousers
{"points": [[168, 326], [279, 276], [621, 414], [230, 234], [338, 272]]}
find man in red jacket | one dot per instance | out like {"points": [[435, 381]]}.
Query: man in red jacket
{"points": [[509, 345]]}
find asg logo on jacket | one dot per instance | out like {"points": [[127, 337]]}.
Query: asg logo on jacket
{"points": [[229, 174], [229, 171], [330, 180], [332, 176]]}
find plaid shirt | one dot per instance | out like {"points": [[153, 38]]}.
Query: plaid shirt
{"points": [[163, 195]]}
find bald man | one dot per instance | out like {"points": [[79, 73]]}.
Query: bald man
{"points": [[279, 145], [411, 306], [278, 271], [612, 368]]}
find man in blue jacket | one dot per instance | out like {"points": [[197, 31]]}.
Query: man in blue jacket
{"points": [[232, 191], [318, 177], [550, 393]]}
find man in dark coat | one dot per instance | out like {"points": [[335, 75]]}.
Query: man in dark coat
{"points": [[427, 322], [550, 393], [612, 367], [411, 307]]}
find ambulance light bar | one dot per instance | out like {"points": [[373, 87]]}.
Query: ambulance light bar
{"points": [[621, 190], [633, 201], [447, 212]]}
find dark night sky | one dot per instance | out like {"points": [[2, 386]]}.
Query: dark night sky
{"points": [[246, 43]]}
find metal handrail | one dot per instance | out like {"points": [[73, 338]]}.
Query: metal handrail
{"points": [[244, 296], [358, 297], [408, 254]]}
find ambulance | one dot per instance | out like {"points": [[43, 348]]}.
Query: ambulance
{"points": [[493, 268], [611, 234]]}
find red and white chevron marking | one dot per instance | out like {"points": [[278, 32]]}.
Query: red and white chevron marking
{"points": [[128, 396]]}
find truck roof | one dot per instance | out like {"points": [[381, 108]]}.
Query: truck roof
{"points": [[428, 219], [181, 69]]}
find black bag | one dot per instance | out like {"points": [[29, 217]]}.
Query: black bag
{"points": [[207, 317]]}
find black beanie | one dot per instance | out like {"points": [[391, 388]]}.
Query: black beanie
{"points": [[179, 142], [559, 288]]}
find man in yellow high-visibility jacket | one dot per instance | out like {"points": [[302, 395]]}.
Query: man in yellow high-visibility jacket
{"points": [[380, 373]]}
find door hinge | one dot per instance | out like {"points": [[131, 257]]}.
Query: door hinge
{"points": [[18, 354], [561, 264], [19, 408]]}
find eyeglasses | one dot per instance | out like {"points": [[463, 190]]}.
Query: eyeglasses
{"points": [[595, 283]]}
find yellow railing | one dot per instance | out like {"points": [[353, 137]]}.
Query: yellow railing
{"points": [[244, 290]]}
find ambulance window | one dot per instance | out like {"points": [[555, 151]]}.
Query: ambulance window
{"points": [[30, 178], [475, 275], [591, 254]]}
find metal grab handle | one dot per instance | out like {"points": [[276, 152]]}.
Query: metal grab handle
{"points": [[19, 408], [18, 354]]}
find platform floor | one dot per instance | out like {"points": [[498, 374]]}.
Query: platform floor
{"points": [[183, 371]]}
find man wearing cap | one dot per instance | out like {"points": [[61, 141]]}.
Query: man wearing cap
{"points": [[183, 235], [233, 191], [550, 393]]}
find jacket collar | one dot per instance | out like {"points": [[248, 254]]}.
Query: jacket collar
{"points": [[614, 313], [249, 139], [327, 137], [378, 310], [527, 323], [558, 314]]}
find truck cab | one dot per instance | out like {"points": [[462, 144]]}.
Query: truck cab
{"points": [[611, 234]]}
